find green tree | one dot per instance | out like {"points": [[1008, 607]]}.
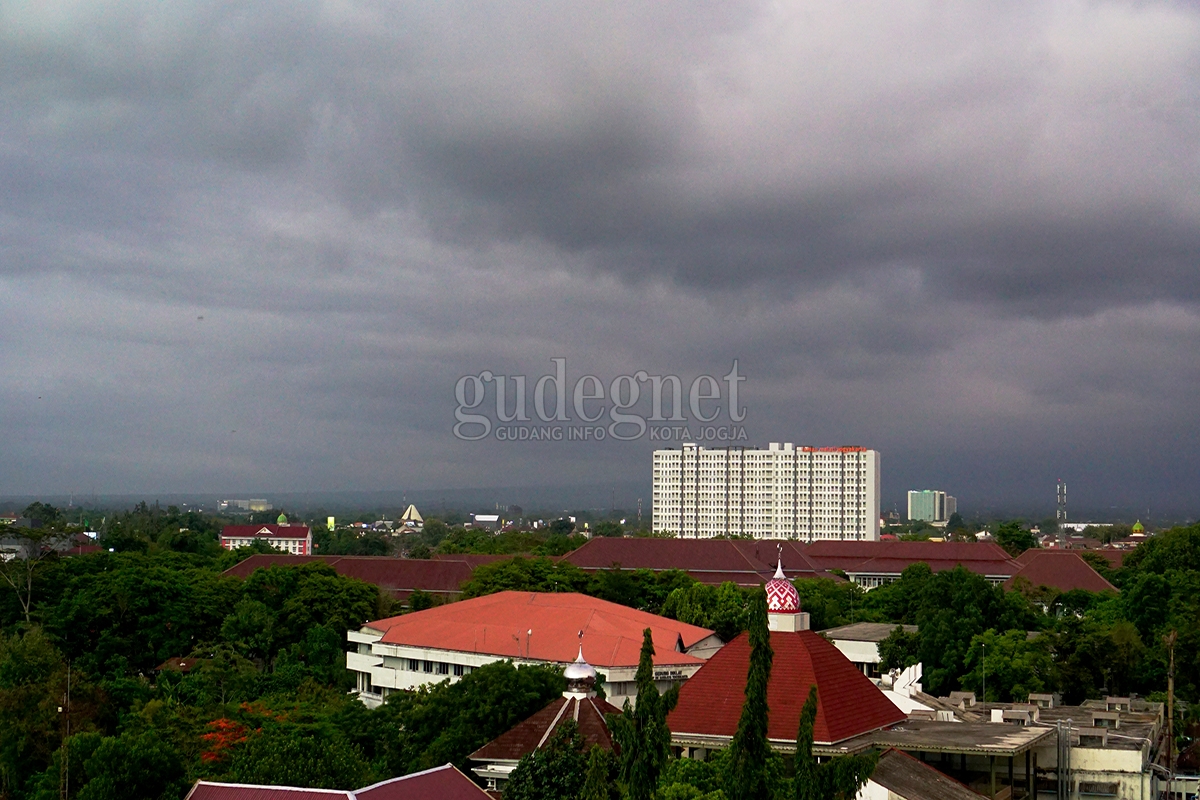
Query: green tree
{"points": [[526, 575], [840, 778], [598, 783], [447, 722], [641, 731], [27, 549], [749, 750], [290, 754], [900, 650], [554, 772], [1014, 538], [134, 767], [1015, 666]]}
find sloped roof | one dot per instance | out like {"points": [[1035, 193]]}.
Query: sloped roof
{"points": [[271, 531], [1059, 569], [985, 558], [498, 624], [711, 561], [400, 577], [848, 704], [906, 777], [411, 514], [440, 783], [534, 732], [205, 790]]}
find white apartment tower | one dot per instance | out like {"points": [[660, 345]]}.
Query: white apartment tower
{"points": [[783, 492]]}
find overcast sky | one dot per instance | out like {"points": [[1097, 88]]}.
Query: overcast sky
{"points": [[251, 247]]}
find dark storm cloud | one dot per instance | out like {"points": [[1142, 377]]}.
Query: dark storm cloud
{"points": [[255, 245]]}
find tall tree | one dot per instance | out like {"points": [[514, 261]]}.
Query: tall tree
{"points": [[641, 731], [749, 750], [597, 784], [26, 548], [840, 778]]}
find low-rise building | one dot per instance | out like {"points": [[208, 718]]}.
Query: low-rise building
{"points": [[294, 539], [859, 642], [448, 642]]}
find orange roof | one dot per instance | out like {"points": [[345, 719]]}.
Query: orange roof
{"points": [[498, 624], [848, 704]]}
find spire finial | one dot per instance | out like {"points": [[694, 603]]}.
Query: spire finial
{"points": [[779, 563]]}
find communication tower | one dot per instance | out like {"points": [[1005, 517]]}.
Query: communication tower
{"points": [[1060, 516]]}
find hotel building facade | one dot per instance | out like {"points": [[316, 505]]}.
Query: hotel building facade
{"points": [[782, 492]]}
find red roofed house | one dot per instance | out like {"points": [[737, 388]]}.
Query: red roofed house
{"points": [[499, 757], [1058, 569], [848, 703], [447, 642], [294, 539], [440, 783]]}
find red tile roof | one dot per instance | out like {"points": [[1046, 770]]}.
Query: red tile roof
{"points": [[400, 577], [497, 624], [204, 790], [1059, 569], [981, 557], [439, 783], [271, 531], [848, 704], [712, 561], [534, 732]]}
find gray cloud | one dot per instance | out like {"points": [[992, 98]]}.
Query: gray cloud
{"points": [[963, 234]]}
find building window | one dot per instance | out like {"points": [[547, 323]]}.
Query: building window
{"points": [[458, 670], [427, 666], [414, 665], [443, 668]]}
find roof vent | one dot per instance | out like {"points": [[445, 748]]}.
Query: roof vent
{"points": [[962, 699], [1093, 737], [1042, 700], [1116, 704], [1106, 719]]}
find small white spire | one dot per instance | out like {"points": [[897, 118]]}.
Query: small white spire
{"points": [[779, 564]]}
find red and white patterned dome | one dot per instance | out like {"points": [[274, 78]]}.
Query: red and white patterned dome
{"points": [[782, 597]]}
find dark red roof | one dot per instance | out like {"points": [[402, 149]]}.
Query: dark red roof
{"points": [[1059, 569], [711, 561], [985, 558], [439, 783], [400, 577], [474, 560], [498, 624], [534, 732], [848, 704], [271, 531], [204, 790]]}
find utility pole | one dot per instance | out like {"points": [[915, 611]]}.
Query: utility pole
{"points": [[984, 661], [1169, 639]]}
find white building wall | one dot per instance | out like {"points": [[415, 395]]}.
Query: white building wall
{"points": [[782, 492]]}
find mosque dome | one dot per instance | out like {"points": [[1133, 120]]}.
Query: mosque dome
{"points": [[580, 675], [782, 597], [1138, 527], [282, 519]]}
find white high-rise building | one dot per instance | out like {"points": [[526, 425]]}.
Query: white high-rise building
{"points": [[783, 492]]}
